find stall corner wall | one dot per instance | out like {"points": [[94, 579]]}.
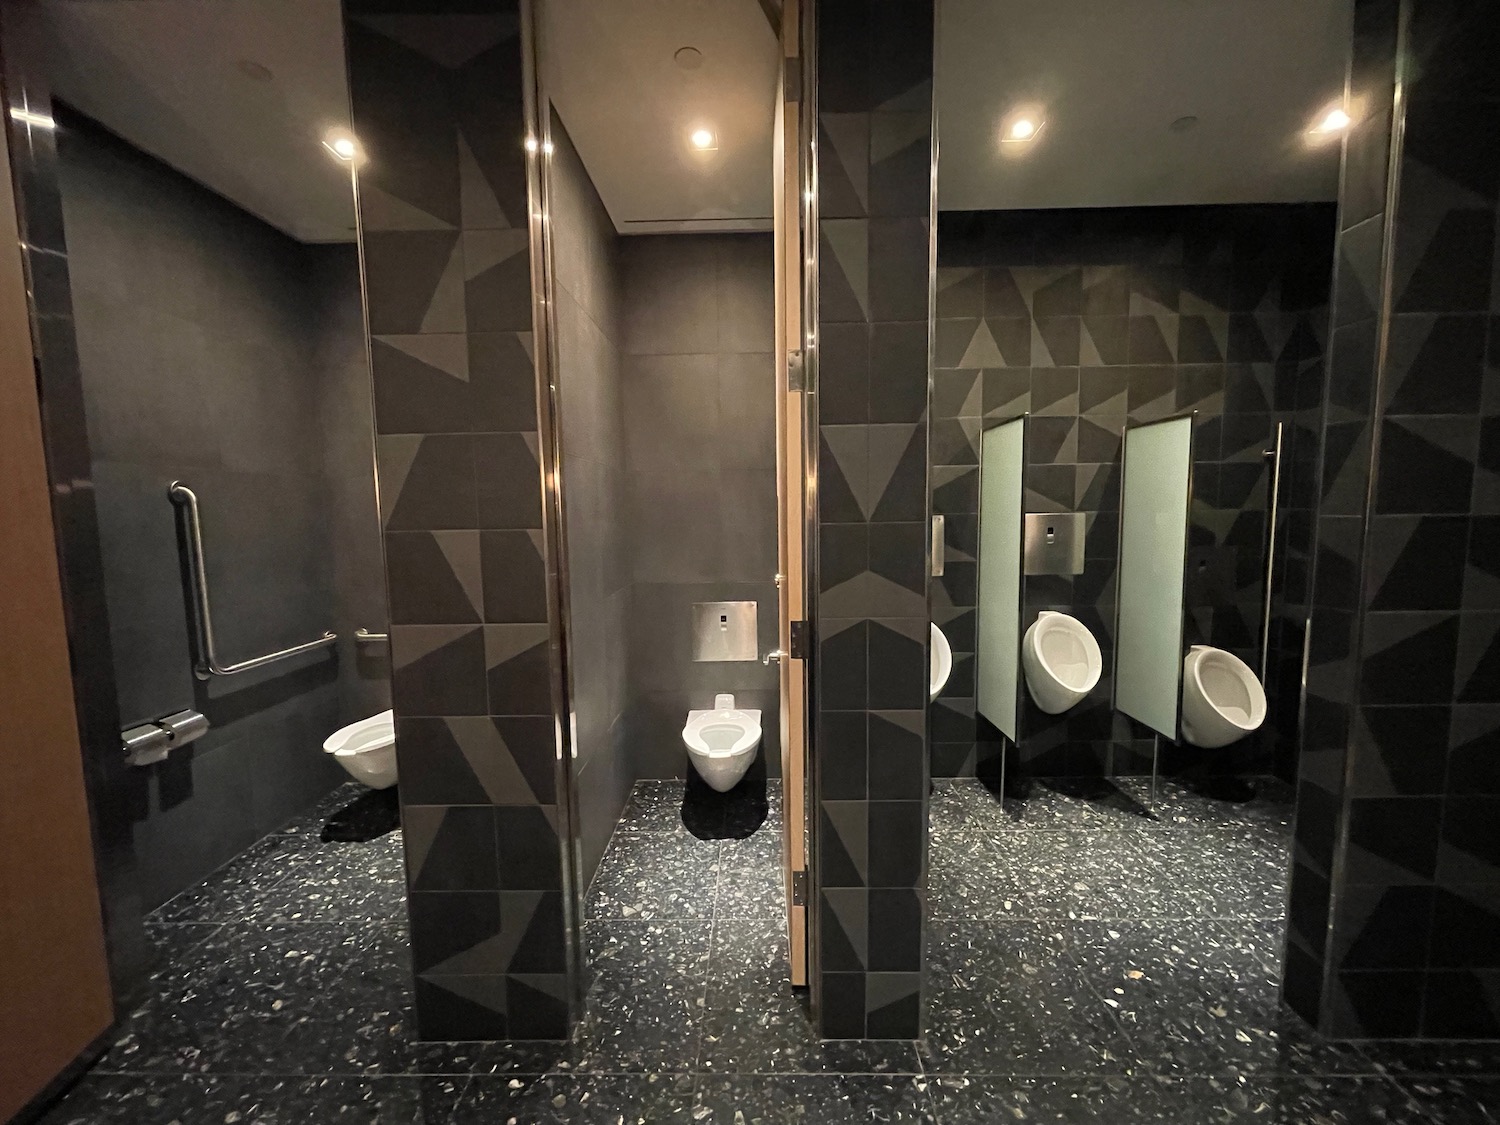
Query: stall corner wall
{"points": [[1394, 918], [873, 66], [587, 287], [216, 350], [438, 101]]}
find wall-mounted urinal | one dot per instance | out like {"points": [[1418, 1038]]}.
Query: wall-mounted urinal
{"points": [[941, 663], [1222, 701], [1061, 660]]}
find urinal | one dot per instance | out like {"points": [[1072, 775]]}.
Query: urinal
{"points": [[941, 664], [1061, 661], [1222, 701]]}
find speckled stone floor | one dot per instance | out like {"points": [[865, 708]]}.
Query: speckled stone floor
{"points": [[1094, 956]]}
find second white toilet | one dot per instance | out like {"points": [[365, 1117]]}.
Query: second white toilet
{"points": [[722, 743], [1061, 660], [1222, 701]]}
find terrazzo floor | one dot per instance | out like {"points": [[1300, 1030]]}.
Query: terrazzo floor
{"points": [[1090, 960]]}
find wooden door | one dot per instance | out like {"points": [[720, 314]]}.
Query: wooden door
{"points": [[791, 487], [54, 977]]}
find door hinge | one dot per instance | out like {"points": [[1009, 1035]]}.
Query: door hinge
{"points": [[796, 379], [799, 888], [799, 640]]}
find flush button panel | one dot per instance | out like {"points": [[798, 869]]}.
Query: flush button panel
{"points": [[725, 631], [1054, 543]]}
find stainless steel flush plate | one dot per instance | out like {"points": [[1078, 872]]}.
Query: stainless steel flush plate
{"points": [[725, 631], [1054, 543]]}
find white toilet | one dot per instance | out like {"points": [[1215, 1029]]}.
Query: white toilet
{"points": [[367, 749], [722, 743], [1061, 660], [1222, 701]]}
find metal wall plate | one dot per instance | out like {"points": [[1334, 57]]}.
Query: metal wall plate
{"points": [[725, 631], [1054, 543]]}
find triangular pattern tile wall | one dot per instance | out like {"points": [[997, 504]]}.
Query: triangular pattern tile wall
{"points": [[448, 274], [874, 175], [1394, 913], [1214, 310]]}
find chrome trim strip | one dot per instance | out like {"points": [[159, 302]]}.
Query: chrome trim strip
{"points": [[554, 525], [1274, 456]]}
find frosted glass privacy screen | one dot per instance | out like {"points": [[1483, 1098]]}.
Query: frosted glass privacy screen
{"points": [[1153, 557], [1002, 460]]}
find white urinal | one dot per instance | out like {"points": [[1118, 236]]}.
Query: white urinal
{"points": [[1061, 660], [1222, 701]]}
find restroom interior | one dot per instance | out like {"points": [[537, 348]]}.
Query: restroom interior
{"points": [[498, 422], [221, 341]]}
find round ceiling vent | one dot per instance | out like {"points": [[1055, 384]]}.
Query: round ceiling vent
{"points": [[689, 58], [1183, 124]]}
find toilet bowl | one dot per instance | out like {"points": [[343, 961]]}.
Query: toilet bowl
{"points": [[1222, 701], [722, 743], [1061, 660], [367, 749]]}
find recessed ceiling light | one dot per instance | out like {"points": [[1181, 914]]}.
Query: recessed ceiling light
{"points": [[1334, 119], [703, 139], [1021, 125], [1183, 124], [689, 58], [342, 144]]}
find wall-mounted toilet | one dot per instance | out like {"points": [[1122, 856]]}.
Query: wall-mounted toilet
{"points": [[1222, 701], [1061, 660], [367, 749], [722, 743]]}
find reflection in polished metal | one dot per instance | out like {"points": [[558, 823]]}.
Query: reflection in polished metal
{"points": [[1054, 542], [725, 631], [208, 663], [1272, 455]]}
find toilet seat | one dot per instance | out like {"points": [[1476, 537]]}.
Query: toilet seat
{"points": [[1222, 699], [1061, 660], [367, 749], [722, 742]]}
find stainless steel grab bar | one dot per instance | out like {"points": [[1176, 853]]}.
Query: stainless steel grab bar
{"points": [[1274, 456], [186, 500]]}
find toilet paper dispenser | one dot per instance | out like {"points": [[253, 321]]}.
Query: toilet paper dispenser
{"points": [[151, 742]]}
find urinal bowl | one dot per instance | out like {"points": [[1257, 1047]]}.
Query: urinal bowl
{"points": [[1222, 700], [1061, 661], [367, 750]]}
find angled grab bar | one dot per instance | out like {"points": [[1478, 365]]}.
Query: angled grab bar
{"points": [[186, 501]]}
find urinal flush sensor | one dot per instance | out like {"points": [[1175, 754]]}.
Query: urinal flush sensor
{"points": [[725, 631], [1054, 543]]}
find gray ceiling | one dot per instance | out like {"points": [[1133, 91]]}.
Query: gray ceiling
{"points": [[629, 107], [1112, 76], [167, 75], [239, 93]]}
